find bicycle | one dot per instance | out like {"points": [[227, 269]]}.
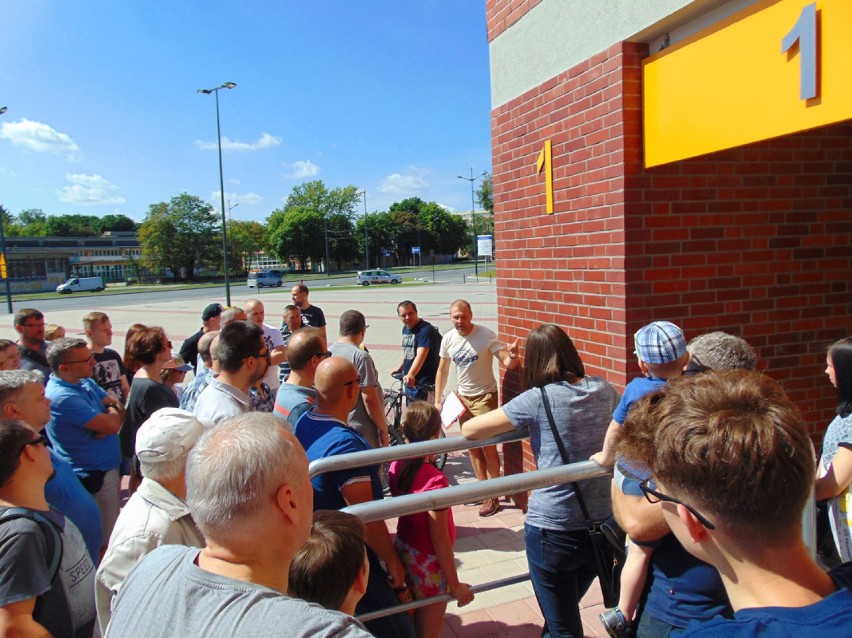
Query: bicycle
{"points": [[393, 415]]}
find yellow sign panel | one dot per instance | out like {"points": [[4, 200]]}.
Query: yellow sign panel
{"points": [[778, 67], [2, 266]]}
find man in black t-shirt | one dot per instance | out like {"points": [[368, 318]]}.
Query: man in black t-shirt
{"points": [[109, 371], [312, 317], [420, 351], [211, 321]]}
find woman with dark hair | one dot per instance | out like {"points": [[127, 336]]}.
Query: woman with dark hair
{"points": [[150, 347], [834, 472], [131, 365], [559, 550]]}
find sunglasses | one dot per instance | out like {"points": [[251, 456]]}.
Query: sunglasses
{"points": [[323, 355], [39, 440], [68, 363], [653, 496]]}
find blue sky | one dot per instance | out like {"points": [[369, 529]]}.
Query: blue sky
{"points": [[103, 115]]}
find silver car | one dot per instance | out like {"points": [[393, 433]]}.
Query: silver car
{"points": [[368, 277]]}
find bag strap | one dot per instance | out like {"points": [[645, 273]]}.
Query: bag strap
{"points": [[564, 453], [51, 535]]}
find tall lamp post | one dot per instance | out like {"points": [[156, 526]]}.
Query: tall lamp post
{"points": [[366, 238], [472, 179], [226, 85], [3, 248]]}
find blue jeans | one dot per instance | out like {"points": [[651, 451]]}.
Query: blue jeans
{"points": [[561, 571], [650, 627]]}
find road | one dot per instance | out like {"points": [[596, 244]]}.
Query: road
{"points": [[238, 287]]}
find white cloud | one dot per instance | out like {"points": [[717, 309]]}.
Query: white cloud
{"points": [[301, 169], [447, 207], [38, 137], [89, 190], [405, 183], [232, 199], [265, 141]]}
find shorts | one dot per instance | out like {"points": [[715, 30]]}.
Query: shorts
{"points": [[422, 570], [481, 404]]}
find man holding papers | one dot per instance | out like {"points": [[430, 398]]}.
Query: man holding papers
{"points": [[472, 349]]}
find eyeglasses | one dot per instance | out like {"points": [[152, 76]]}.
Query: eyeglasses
{"points": [[33, 325], [39, 440], [68, 363], [358, 381], [323, 355], [264, 355], [653, 496]]}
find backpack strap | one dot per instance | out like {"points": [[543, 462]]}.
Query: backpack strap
{"points": [[53, 559]]}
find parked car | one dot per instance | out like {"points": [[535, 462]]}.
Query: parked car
{"points": [[368, 277], [261, 279], [81, 284]]}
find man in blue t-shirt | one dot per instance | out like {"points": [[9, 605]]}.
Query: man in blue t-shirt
{"points": [[420, 354], [84, 425], [734, 468], [22, 397], [323, 432]]}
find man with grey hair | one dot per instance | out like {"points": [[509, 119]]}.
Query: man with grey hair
{"points": [[249, 493], [720, 351], [203, 375], [22, 397], [368, 417], [84, 425], [157, 513]]}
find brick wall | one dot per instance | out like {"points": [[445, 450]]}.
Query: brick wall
{"points": [[756, 241], [502, 14]]}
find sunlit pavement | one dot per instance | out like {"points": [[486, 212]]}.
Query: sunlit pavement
{"points": [[486, 548]]}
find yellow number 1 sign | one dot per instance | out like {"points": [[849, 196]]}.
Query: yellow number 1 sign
{"points": [[545, 163]]}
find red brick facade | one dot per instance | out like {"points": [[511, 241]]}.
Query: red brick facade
{"points": [[502, 14], [755, 241]]}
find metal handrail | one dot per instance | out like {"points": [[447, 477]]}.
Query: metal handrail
{"points": [[470, 492], [407, 451]]}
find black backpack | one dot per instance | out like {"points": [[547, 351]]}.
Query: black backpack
{"points": [[53, 556]]}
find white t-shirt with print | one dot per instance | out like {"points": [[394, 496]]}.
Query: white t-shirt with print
{"points": [[474, 358]]}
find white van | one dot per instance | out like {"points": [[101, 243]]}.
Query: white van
{"points": [[81, 284], [261, 279]]}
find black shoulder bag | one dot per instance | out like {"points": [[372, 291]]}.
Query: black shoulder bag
{"points": [[607, 537]]}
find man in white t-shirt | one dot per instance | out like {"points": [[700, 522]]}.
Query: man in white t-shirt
{"points": [[274, 341], [472, 349]]}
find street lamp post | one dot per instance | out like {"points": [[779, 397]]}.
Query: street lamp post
{"points": [[366, 238], [226, 85], [3, 248], [472, 179]]}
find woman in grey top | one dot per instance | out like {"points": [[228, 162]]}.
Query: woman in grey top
{"points": [[558, 548]]}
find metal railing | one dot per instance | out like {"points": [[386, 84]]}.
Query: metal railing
{"points": [[407, 451]]}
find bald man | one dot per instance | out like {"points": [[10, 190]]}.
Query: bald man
{"points": [[272, 336], [323, 432]]}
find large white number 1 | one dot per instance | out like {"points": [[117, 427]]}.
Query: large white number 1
{"points": [[805, 33]]}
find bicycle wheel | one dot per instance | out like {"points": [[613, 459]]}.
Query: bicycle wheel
{"points": [[393, 417], [441, 459]]}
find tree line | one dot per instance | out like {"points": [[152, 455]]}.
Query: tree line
{"points": [[185, 233]]}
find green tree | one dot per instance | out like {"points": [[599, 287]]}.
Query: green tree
{"points": [[33, 222], [116, 222], [73, 226], [335, 209], [11, 227], [381, 234], [245, 239], [485, 194], [296, 233], [179, 235]]}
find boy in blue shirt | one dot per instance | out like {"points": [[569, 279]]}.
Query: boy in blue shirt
{"points": [[734, 467]]}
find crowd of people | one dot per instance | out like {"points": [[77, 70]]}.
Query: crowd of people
{"points": [[224, 533]]}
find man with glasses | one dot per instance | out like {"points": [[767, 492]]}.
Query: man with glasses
{"points": [[272, 338], [243, 360], [29, 324], [306, 350], [733, 468], [46, 575], [84, 425], [324, 432]]}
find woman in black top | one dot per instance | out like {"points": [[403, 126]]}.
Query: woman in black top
{"points": [[151, 348]]}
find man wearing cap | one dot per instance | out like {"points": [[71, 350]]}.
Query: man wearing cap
{"points": [[157, 513], [109, 370], [210, 321]]}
